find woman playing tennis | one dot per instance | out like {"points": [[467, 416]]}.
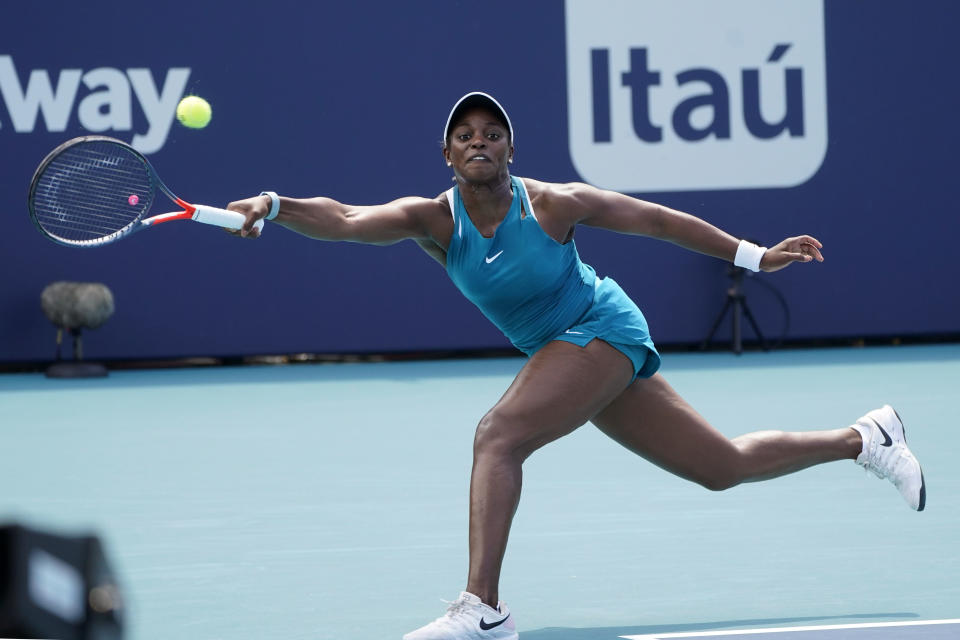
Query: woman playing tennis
{"points": [[507, 243]]}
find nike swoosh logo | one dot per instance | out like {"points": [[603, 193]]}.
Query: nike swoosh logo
{"points": [[579, 333], [887, 440], [491, 259], [486, 626]]}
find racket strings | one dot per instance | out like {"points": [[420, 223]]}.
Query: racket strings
{"points": [[92, 210], [91, 190], [86, 205]]}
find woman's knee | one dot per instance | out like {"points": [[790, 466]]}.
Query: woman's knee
{"points": [[725, 471], [499, 434], [719, 479]]}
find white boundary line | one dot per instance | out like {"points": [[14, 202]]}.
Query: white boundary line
{"points": [[865, 625]]}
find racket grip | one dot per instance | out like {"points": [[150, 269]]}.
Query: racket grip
{"points": [[222, 217]]}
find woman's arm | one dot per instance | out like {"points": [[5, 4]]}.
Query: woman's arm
{"points": [[327, 219], [617, 212]]}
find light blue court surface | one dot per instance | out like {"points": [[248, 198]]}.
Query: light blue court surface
{"points": [[330, 501]]}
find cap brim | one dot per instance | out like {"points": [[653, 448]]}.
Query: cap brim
{"points": [[476, 99]]}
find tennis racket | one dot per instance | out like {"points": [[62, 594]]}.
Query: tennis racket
{"points": [[94, 190]]}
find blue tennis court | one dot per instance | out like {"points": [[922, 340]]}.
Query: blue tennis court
{"points": [[330, 502]]}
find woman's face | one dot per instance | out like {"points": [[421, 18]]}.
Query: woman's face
{"points": [[479, 147]]}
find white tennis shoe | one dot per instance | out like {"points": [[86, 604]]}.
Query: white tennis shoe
{"points": [[886, 455], [469, 619]]}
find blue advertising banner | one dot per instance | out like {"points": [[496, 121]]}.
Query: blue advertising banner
{"points": [[836, 119]]}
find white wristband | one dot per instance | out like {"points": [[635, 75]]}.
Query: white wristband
{"points": [[749, 256], [274, 204]]}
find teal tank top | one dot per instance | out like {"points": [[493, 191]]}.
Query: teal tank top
{"points": [[528, 284]]}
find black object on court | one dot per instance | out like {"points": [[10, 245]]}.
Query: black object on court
{"points": [[72, 307], [54, 586], [737, 304]]}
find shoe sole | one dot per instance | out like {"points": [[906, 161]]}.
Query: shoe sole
{"points": [[923, 482]]}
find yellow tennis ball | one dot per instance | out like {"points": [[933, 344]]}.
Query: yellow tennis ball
{"points": [[194, 112]]}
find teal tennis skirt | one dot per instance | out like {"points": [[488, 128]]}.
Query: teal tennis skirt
{"points": [[615, 319]]}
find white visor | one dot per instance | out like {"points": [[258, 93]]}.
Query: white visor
{"points": [[476, 99]]}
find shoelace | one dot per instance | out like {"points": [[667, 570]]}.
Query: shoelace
{"points": [[457, 606], [890, 466]]}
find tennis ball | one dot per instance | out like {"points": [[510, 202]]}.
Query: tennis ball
{"points": [[194, 112]]}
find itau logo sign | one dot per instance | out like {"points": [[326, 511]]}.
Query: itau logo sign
{"points": [[696, 94]]}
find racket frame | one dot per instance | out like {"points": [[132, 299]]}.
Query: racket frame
{"points": [[196, 212]]}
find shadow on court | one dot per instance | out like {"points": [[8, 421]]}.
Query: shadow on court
{"points": [[609, 633], [258, 374], [412, 371], [814, 357]]}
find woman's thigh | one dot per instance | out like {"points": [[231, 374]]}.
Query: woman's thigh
{"points": [[652, 420], [560, 388]]}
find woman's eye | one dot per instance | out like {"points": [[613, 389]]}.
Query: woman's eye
{"points": [[494, 136]]}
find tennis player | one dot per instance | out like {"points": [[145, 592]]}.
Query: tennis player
{"points": [[507, 243]]}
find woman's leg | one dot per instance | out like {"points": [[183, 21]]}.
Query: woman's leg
{"points": [[559, 389], [652, 420]]}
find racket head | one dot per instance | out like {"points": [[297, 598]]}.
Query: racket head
{"points": [[91, 191]]}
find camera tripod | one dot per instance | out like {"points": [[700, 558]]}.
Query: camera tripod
{"points": [[737, 305]]}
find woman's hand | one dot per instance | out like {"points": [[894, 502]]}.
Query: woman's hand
{"points": [[798, 249], [253, 209]]}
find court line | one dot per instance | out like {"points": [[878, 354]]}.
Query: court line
{"points": [[828, 627]]}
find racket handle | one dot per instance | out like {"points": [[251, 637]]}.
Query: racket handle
{"points": [[222, 217]]}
